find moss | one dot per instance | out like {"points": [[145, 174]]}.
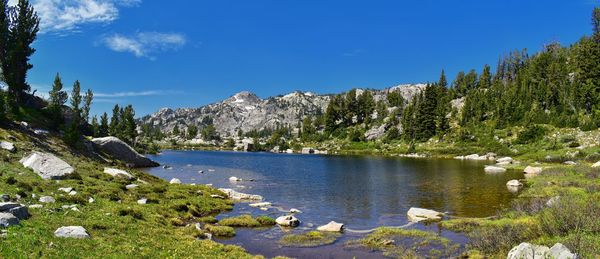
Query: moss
{"points": [[266, 220], [220, 231], [309, 239], [246, 221], [208, 219]]}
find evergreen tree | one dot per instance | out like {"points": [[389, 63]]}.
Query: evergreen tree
{"points": [[308, 129], [443, 82], [17, 36], [104, 130], [350, 109], [395, 99], [95, 127], [115, 121], [72, 134], [129, 126], [426, 114], [366, 107], [192, 131], [87, 105], [176, 130], [57, 99]]}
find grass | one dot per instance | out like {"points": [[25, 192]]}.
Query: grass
{"points": [[220, 231], [309, 239], [402, 243], [247, 221], [118, 226]]}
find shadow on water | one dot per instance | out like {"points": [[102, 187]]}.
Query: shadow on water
{"points": [[363, 192]]}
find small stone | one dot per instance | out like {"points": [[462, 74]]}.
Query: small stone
{"points": [[532, 170], [234, 179], [418, 215], [71, 232], [142, 201], [66, 190], [10, 147], [47, 199], [131, 186], [260, 204], [264, 209], [570, 163], [91, 200], [72, 193], [36, 206], [388, 242], [294, 211], [332, 227], [175, 181], [7, 220], [514, 183], [552, 201], [117, 173], [494, 169]]}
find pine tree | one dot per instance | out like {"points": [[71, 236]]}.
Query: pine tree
{"points": [[115, 121], [87, 105], [58, 98], [129, 126], [4, 40], [395, 99], [95, 127], [192, 131], [443, 82], [72, 134], [23, 27], [104, 131], [366, 106]]}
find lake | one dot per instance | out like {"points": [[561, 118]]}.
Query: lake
{"points": [[363, 192]]}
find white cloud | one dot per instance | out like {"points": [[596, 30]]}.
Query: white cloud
{"points": [[69, 15], [144, 44]]}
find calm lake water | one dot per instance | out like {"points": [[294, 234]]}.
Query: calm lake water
{"points": [[362, 192]]}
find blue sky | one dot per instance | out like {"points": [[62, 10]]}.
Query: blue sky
{"points": [[178, 53]]}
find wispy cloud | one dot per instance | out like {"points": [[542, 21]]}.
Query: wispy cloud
{"points": [[66, 16], [134, 94], [352, 53], [144, 44]]}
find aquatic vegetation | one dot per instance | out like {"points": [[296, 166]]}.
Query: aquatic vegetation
{"points": [[220, 231], [246, 221], [309, 239], [266, 220], [402, 243]]}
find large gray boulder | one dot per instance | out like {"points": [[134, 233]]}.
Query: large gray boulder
{"points": [[332, 227], [559, 251], [375, 133], [71, 232], [530, 251], [234, 195], [20, 212], [288, 221], [7, 220], [123, 152], [47, 166], [7, 146]]}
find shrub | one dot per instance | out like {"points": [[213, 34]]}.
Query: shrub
{"points": [[531, 134]]}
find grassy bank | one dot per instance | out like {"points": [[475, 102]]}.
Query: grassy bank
{"points": [[117, 224]]}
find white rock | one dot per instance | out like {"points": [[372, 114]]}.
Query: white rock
{"points": [[264, 208], [91, 200], [8, 219], [294, 211], [7, 146], [72, 193], [532, 170], [552, 201], [514, 183], [47, 199], [260, 204], [142, 201], [494, 169], [288, 221], [240, 196], [503, 164], [67, 189], [527, 251], [131, 186], [559, 251], [475, 157], [175, 181], [504, 160], [234, 179], [418, 215], [71, 232], [117, 173], [36, 206], [332, 227], [47, 165], [596, 165], [570, 163]]}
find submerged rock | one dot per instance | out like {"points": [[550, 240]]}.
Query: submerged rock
{"points": [[260, 204], [288, 221], [494, 169], [123, 152], [117, 173], [332, 227], [418, 215], [47, 166], [71, 232], [240, 196], [514, 183], [504, 160]]}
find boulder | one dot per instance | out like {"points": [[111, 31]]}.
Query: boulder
{"points": [[494, 169], [240, 196], [375, 133], [295, 211], [5, 206], [47, 166], [7, 146], [530, 251], [288, 221], [332, 227], [142, 201], [532, 170], [308, 150], [475, 157], [234, 179], [20, 212], [570, 163], [514, 183], [418, 215], [71, 232], [8, 219], [504, 160], [131, 186], [527, 251], [596, 165], [117, 173], [123, 152], [47, 199], [175, 181], [559, 251]]}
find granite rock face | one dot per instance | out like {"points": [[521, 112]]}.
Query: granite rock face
{"points": [[123, 152]]}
